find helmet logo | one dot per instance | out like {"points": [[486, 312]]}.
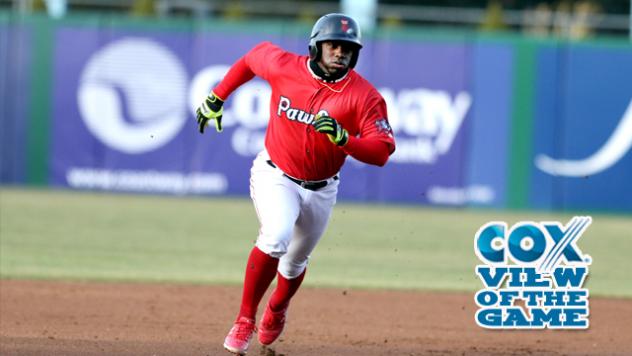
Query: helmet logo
{"points": [[344, 24]]}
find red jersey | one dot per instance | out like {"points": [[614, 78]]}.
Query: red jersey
{"points": [[297, 97]]}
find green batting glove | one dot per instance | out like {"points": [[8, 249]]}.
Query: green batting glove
{"points": [[328, 125], [211, 109]]}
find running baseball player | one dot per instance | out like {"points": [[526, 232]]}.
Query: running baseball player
{"points": [[321, 110]]}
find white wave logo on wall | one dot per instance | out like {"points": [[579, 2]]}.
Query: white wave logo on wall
{"points": [[132, 95], [617, 145]]}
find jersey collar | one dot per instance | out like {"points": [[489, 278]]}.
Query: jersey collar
{"points": [[315, 76]]}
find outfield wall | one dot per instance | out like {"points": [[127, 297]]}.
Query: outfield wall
{"points": [[496, 121]]}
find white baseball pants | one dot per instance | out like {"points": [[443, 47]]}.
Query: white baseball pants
{"points": [[292, 219]]}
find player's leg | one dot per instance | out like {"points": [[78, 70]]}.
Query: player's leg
{"points": [[276, 202], [277, 206], [310, 226]]}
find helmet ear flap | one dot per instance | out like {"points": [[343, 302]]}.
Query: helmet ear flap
{"points": [[314, 52], [354, 58]]}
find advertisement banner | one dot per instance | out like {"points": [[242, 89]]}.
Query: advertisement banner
{"points": [[123, 116], [583, 129]]}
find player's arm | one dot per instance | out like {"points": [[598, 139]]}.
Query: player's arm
{"points": [[369, 150], [212, 107], [375, 143], [239, 73]]}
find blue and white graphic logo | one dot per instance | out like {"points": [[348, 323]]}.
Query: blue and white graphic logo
{"points": [[533, 275], [132, 95]]}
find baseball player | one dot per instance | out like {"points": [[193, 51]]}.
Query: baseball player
{"points": [[321, 110]]}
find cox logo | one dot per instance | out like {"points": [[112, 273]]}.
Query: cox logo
{"points": [[528, 243]]}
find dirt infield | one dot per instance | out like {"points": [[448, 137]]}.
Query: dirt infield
{"points": [[62, 318]]}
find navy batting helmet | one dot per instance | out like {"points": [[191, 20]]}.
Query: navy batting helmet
{"points": [[335, 27]]}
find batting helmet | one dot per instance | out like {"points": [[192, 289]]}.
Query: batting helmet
{"points": [[335, 27]]}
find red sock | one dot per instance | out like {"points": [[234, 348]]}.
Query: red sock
{"points": [[284, 291], [260, 272]]}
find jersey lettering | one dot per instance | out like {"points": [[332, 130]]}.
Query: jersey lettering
{"points": [[294, 114]]}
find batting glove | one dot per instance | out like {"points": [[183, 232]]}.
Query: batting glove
{"points": [[211, 109], [328, 125]]}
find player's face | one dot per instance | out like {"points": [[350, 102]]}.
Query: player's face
{"points": [[336, 56]]}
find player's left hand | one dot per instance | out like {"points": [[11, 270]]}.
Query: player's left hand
{"points": [[211, 109], [328, 125]]}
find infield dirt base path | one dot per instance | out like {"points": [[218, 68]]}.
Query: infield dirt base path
{"points": [[72, 318]]}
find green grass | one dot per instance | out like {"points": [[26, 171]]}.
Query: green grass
{"points": [[69, 235]]}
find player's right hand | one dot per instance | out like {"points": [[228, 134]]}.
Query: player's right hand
{"points": [[211, 109]]}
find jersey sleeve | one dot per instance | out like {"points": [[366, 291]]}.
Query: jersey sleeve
{"points": [[264, 59], [255, 62], [375, 142], [368, 150]]}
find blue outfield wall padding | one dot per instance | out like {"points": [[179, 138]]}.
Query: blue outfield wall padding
{"points": [[547, 125], [15, 66], [489, 137]]}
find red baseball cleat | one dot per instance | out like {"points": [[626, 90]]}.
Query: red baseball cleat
{"points": [[271, 325], [239, 336]]}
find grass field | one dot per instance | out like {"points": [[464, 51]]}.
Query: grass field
{"points": [[90, 236]]}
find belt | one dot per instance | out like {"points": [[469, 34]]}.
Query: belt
{"points": [[307, 184]]}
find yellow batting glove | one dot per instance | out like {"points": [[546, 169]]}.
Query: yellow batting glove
{"points": [[328, 125], [211, 109]]}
